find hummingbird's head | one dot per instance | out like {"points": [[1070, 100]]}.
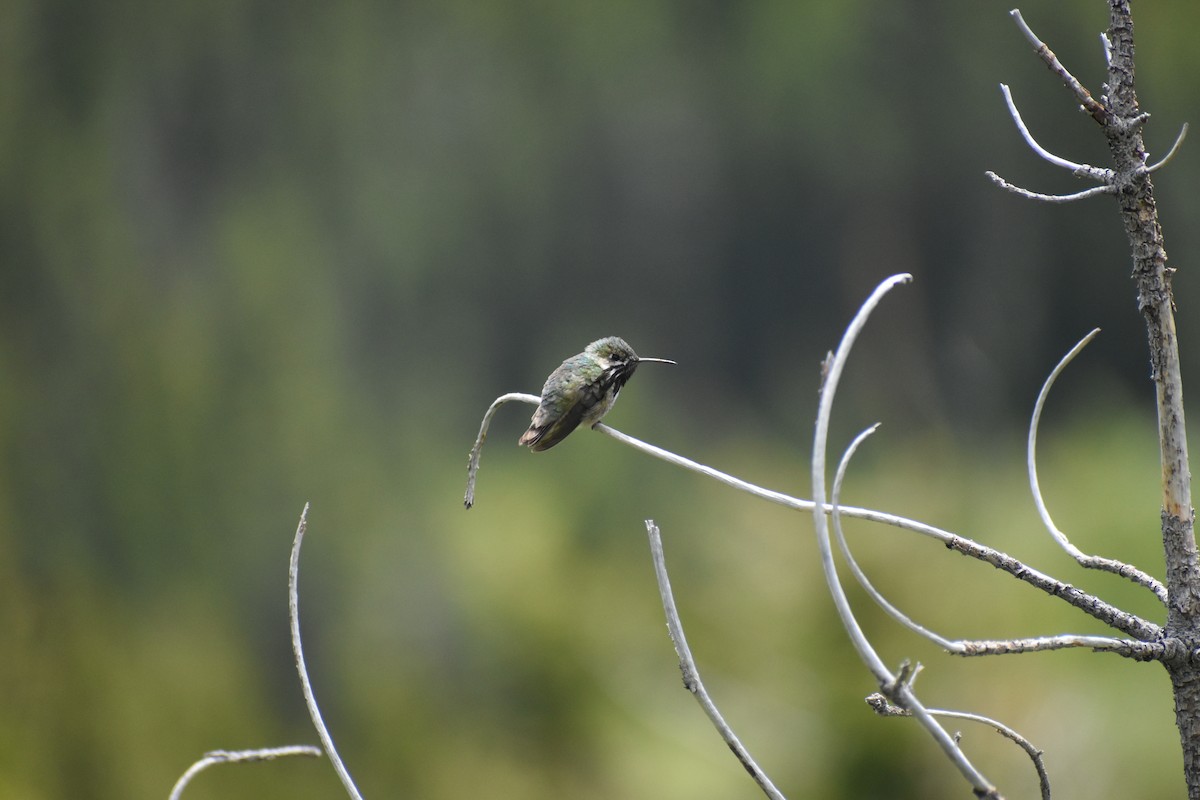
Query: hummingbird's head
{"points": [[613, 352]]}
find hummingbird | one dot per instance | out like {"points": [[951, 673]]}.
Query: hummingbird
{"points": [[582, 390]]}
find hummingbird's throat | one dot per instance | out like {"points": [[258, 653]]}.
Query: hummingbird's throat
{"points": [[616, 376]]}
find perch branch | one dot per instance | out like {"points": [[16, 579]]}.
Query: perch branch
{"points": [[1123, 621], [239, 757], [900, 690], [309, 698], [691, 675], [1090, 562]]}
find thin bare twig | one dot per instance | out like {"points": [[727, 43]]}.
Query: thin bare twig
{"points": [[901, 691], [309, 698], [1035, 755], [1095, 191], [1089, 103], [238, 757], [1171, 153], [691, 675], [883, 708], [1090, 562]]}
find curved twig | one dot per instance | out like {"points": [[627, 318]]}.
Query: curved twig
{"points": [[477, 448], [691, 675], [1090, 562], [238, 757], [1080, 170], [883, 708], [1171, 153], [1035, 755], [900, 690], [309, 698]]}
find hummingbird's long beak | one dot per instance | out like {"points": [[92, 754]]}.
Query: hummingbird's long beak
{"points": [[659, 360]]}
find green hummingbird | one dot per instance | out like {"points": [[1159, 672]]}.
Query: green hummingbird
{"points": [[582, 390]]}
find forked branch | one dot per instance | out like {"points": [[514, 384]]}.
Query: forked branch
{"points": [[895, 687]]}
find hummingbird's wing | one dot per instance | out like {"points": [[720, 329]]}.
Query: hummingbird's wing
{"points": [[566, 397]]}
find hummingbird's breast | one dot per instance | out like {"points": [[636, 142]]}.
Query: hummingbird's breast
{"points": [[605, 392]]}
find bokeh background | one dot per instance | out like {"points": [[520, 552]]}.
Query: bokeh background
{"points": [[254, 254]]}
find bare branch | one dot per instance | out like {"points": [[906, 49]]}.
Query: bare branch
{"points": [[1079, 170], [691, 675], [1107, 613], [309, 698], [1129, 648], [238, 757], [1171, 153], [1091, 562], [903, 693], [1093, 108], [477, 448], [1125, 622], [1051, 198]]}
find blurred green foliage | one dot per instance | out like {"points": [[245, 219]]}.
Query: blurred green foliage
{"points": [[254, 253]]}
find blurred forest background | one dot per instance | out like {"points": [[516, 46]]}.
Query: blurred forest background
{"points": [[255, 253]]}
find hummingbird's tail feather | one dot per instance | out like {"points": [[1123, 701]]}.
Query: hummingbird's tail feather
{"points": [[531, 437]]}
